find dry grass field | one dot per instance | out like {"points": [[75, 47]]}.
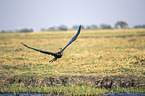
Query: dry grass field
{"points": [[118, 55]]}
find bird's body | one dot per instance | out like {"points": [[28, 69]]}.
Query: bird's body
{"points": [[57, 54]]}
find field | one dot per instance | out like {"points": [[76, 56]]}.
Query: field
{"points": [[98, 62]]}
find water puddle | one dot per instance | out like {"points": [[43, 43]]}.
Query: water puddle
{"points": [[123, 94], [38, 94]]}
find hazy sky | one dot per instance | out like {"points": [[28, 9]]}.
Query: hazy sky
{"points": [[36, 14]]}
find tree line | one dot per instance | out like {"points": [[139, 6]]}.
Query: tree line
{"points": [[119, 24], [23, 30]]}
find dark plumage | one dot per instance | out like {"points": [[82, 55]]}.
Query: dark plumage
{"points": [[60, 53]]}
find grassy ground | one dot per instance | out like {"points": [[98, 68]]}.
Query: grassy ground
{"points": [[96, 53]]}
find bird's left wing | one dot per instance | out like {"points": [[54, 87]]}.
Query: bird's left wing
{"points": [[42, 51], [73, 39]]}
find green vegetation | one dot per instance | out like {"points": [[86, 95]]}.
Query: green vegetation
{"points": [[95, 55]]}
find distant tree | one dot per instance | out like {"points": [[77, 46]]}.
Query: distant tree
{"points": [[139, 26], [2, 31], [91, 27], [24, 30], [94, 26], [52, 28], [105, 26], [143, 26], [6, 31], [88, 27], [75, 27], [63, 28], [121, 24], [83, 27], [42, 29]]}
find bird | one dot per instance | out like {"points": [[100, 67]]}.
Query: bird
{"points": [[58, 54]]}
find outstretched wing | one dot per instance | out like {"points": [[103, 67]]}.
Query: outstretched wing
{"points": [[42, 51], [73, 39]]}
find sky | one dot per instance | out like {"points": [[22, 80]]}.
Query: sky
{"points": [[37, 14]]}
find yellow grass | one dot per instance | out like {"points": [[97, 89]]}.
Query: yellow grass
{"points": [[94, 53]]}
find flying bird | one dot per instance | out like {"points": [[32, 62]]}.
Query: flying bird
{"points": [[59, 53]]}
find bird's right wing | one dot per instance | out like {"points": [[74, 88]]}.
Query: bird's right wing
{"points": [[73, 39], [42, 51]]}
